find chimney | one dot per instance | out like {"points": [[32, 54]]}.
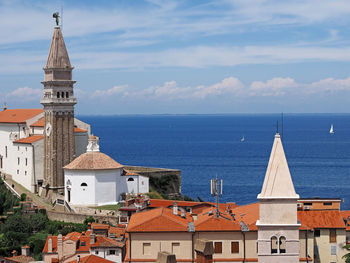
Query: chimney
{"points": [[204, 250], [59, 246], [49, 245], [92, 239], [14, 253], [183, 215], [5, 106], [25, 250], [166, 257], [175, 208]]}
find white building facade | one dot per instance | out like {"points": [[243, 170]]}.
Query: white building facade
{"points": [[22, 145], [96, 179]]}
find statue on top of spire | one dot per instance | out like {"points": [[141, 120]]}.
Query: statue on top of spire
{"points": [[56, 16]]}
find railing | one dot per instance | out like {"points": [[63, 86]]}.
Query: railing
{"points": [[64, 203]]}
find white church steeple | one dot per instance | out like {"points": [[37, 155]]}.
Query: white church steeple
{"points": [[278, 226], [278, 181]]}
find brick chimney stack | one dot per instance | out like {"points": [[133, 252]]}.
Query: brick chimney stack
{"points": [[166, 257], [204, 251]]}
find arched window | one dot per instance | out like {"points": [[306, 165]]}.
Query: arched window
{"points": [[282, 244], [58, 95], [62, 94], [69, 182], [274, 245], [67, 94], [130, 179], [83, 184]]}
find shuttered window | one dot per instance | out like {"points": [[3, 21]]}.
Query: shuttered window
{"points": [[332, 236], [234, 247], [218, 247], [274, 245]]}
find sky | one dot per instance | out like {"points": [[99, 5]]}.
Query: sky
{"points": [[183, 57]]}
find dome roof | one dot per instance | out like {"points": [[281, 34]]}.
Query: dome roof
{"points": [[93, 161]]}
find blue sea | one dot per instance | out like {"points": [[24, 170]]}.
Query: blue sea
{"points": [[203, 146]]}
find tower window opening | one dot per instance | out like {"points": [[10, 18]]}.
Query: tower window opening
{"points": [[67, 94], [274, 245], [58, 95], [62, 94], [83, 184], [130, 179], [282, 244]]}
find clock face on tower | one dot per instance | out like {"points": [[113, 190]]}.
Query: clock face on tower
{"points": [[48, 129]]}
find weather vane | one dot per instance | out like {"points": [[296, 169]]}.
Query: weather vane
{"points": [[56, 16]]}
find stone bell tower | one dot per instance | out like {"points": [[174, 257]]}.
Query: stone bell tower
{"points": [[278, 226], [58, 102]]}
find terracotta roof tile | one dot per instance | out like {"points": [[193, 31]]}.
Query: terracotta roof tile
{"points": [[78, 130], [102, 241], [158, 220], [92, 259], [346, 217], [39, 123], [99, 226], [18, 115], [30, 139], [93, 161], [21, 259], [321, 219]]}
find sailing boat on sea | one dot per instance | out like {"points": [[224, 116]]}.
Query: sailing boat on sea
{"points": [[242, 139], [331, 130]]}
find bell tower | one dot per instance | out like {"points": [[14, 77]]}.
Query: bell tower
{"points": [[58, 102], [278, 226]]}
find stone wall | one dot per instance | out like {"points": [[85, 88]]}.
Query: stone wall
{"points": [[172, 176], [79, 218]]}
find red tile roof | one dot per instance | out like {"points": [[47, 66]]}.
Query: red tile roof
{"points": [[21, 259], [78, 130], [99, 226], [18, 115], [92, 259], [30, 139], [102, 241], [39, 123], [158, 220], [93, 161], [167, 203], [83, 241], [321, 219], [346, 217]]}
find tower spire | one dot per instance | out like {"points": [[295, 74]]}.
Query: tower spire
{"points": [[58, 102], [58, 55]]}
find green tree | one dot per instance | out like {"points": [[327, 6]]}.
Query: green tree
{"points": [[347, 256]]}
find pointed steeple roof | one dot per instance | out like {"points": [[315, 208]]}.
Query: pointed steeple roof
{"points": [[278, 181], [58, 55]]}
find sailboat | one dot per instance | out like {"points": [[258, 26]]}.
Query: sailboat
{"points": [[242, 140], [331, 130]]}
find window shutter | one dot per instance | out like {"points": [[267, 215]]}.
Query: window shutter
{"points": [[218, 247], [234, 247], [332, 236]]}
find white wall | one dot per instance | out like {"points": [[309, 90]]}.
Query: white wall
{"points": [[106, 186], [21, 172], [143, 184], [80, 195], [104, 253]]}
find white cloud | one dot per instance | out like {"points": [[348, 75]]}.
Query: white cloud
{"points": [[24, 94], [228, 88]]}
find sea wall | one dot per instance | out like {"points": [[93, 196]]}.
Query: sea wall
{"points": [[167, 181]]}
